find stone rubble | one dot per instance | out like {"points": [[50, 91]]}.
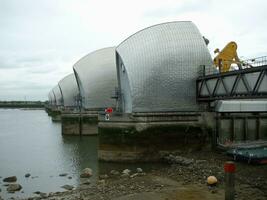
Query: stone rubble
{"points": [[67, 187], [86, 173], [103, 176], [27, 175], [139, 170], [114, 172], [126, 171], [172, 159], [10, 179], [184, 169], [63, 174], [13, 187]]}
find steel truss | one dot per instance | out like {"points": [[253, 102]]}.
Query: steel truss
{"points": [[238, 84]]}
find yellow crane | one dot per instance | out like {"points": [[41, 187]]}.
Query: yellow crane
{"points": [[226, 57]]}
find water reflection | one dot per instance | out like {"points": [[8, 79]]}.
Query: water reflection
{"points": [[31, 143], [80, 152]]}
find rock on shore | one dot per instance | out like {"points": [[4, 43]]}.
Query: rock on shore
{"points": [[126, 171], [86, 173], [103, 176], [172, 159], [178, 180], [14, 187], [139, 170], [67, 187], [10, 179], [63, 174], [114, 172]]}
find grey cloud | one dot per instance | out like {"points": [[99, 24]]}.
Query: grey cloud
{"points": [[19, 64], [180, 8], [39, 63], [23, 8], [24, 86], [41, 40], [4, 64], [42, 71]]}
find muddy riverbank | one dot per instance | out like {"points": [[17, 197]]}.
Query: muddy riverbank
{"points": [[184, 178], [32, 143]]}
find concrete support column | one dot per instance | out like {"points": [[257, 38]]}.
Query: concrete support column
{"points": [[55, 115], [146, 137], [79, 124]]}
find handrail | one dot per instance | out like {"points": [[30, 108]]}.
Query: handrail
{"points": [[245, 64]]}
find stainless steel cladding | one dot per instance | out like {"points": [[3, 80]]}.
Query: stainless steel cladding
{"points": [[97, 79], [50, 98], [58, 96], [157, 68], [53, 97], [54, 101], [69, 90]]}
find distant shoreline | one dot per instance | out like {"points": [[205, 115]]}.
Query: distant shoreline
{"points": [[22, 104]]}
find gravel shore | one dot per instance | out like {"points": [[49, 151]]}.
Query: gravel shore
{"points": [[184, 178]]}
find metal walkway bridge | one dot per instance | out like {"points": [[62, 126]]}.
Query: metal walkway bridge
{"points": [[248, 83]]}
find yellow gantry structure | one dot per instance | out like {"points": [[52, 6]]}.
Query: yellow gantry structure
{"points": [[226, 57]]}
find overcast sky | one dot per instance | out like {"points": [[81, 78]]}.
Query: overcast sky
{"points": [[40, 40]]}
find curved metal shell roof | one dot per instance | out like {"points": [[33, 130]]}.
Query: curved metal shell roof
{"points": [[53, 97], [69, 90], [97, 79], [58, 96], [50, 97], [157, 68]]}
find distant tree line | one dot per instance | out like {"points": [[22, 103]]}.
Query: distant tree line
{"points": [[22, 104]]}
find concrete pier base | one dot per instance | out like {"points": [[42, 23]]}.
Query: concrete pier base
{"points": [[234, 128], [48, 110], [79, 123], [55, 115], [70, 124], [51, 110], [146, 137], [89, 124]]}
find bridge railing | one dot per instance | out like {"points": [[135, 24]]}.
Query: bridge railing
{"points": [[237, 84], [246, 64], [256, 62]]}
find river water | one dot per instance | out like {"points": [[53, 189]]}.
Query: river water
{"points": [[31, 143]]}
